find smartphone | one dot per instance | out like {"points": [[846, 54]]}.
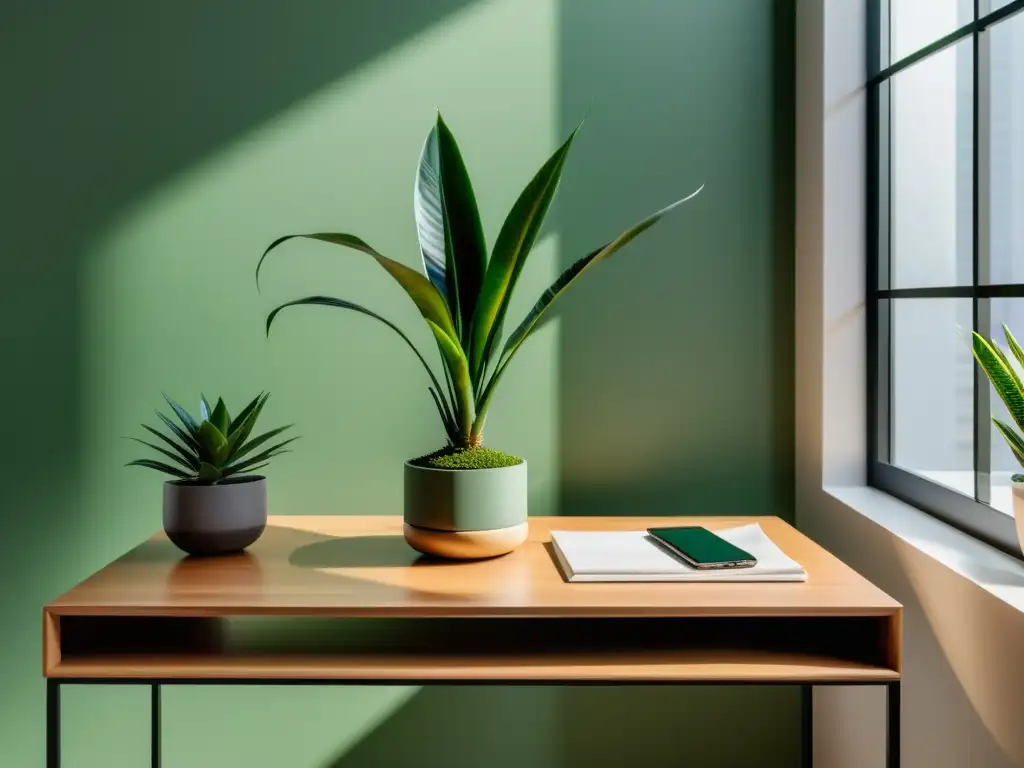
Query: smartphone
{"points": [[700, 548]]}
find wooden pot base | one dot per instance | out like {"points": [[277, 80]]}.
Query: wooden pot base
{"points": [[466, 545]]}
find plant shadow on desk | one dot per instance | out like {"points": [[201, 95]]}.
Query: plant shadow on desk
{"points": [[381, 551]]}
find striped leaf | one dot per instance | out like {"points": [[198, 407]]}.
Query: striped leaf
{"points": [[1012, 439], [1001, 377], [1015, 348]]}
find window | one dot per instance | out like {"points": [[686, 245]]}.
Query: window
{"points": [[946, 241]]}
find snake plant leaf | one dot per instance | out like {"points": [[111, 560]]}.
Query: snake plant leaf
{"points": [[187, 455], [208, 473], [513, 245], [259, 440], [330, 301], [205, 409], [220, 418], [1015, 348], [556, 289], [158, 466], [424, 295], [237, 438], [173, 456], [1012, 439], [213, 446], [458, 367], [182, 435], [186, 418], [448, 224], [244, 413], [1008, 364], [1000, 376]]}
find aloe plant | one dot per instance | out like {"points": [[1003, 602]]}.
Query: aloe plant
{"points": [[214, 447], [464, 294], [1007, 384]]}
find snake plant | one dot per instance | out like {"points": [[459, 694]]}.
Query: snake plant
{"points": [[1007, 384], [214, 447], [464, 293]]}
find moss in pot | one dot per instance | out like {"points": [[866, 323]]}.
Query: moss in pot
{"points": [[467, 501], [214, 503]]}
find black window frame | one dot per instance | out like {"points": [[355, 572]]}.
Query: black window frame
{"points": [[972, 515]]}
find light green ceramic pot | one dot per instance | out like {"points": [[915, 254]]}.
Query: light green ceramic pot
{"points": [[465, 513]]}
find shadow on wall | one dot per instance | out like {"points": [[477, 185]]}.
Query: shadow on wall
{"points": [[677, 355], [105, 101]]}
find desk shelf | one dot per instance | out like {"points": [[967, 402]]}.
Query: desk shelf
{"points": [[344, 599]]}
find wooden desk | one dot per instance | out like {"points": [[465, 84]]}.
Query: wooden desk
{"points": [[345, 600]]}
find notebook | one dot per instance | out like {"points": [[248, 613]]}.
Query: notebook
{"points": [[634, 556]]}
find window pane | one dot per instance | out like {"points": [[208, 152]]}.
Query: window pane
{"points": [[1006, 150], [1010, 312], [932, 162], [917, 23], [932, 405]]}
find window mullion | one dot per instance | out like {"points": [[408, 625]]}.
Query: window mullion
{"points": [[980, 245]]}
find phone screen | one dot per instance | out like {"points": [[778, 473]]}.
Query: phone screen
{"points": [[702, 548]]}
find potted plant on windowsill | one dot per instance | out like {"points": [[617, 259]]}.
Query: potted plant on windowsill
{"points": [[213, 504], [1007, 383], [465, 500]]}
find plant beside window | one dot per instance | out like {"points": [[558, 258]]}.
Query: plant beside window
{"points": [[214, 503], [1006, 381], [463, 296]]}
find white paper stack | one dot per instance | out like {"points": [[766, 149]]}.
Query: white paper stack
{"points": [[635, 556]]}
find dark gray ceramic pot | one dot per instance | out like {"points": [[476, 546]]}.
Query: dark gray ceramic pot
{"points": [[215, 519], [465, 513]]}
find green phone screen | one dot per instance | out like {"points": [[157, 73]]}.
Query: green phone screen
{"points": [[700, 545]]}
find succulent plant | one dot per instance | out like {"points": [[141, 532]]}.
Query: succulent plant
{"points": [[215, 447], [464, 294], [1007, 384]]}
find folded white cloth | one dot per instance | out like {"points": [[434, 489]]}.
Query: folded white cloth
{"points": [[634, 556]]}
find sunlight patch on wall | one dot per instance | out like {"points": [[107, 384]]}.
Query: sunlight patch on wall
{"points": [[170, 304]]}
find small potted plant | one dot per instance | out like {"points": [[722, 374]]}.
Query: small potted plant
{"points": [[1007, 383], [213, 504], [465, 500]]}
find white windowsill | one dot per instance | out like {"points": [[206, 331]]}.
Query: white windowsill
{"points": [[996, 572]]}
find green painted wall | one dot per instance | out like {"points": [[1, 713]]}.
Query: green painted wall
{"points": [[151, 150]]}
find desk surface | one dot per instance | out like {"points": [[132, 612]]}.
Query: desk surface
{"points": [[346, 568]]}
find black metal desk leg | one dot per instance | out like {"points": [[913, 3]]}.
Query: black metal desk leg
{"points": [[154, 725], [52, 723], [806, 726], [892, 727]]}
